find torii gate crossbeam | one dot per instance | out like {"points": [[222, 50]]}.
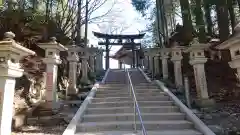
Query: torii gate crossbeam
{"points": [[129, 44]]}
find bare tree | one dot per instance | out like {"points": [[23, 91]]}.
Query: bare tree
{"points": [[114, 25], [65, 14]]}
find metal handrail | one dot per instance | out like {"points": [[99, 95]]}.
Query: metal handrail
{"points": [[136, 106]]}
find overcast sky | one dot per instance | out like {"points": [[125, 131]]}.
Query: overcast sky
{"points": [[124, 15]]}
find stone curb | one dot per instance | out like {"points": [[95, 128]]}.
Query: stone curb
{"points": [[190, 115], [71, 128], [105, 76], [146, 77]]}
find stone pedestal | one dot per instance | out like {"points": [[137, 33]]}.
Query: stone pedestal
{"points": [[197, 60], [99, 61], [73, 63], [92, 52], [91, 63], [146, 62], [84, 69], [164, 57], [142, 63], [51, 85], [78, 69], [10, 54], [177, 61], [156, 64], [52, 60], [151, 63], [200, 77]]}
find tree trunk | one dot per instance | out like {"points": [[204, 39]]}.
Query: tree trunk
{"points": [[165, 25], [209, 22], [160, 29], [78, 26], [199, 21], [232, 15], [238, 1], [222, 18], [187, 20]]}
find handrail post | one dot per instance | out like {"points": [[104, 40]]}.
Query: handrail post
{"points": [[130, 91], [129, 84], [135, 105], [135, 123]]}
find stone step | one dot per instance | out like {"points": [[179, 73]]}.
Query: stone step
{"points": [[114, 83], [145, 84], [125, 86], [103, 91], [158, 94], [128, 125], [130, 103], [146, 87], [126, 93], [112, 88], [136, 88], [160, 132], [130, 117], [139, 98], [149, 109]]}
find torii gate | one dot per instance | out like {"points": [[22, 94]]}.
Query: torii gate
{"points": [[129, 44]]}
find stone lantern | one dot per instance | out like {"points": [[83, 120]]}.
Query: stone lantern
{"points": [[233, 44], [176, 58], [84, 65], [156, 62], [155, 59], [99, 60], [52, 60], [164, 53], [148, 63], [146, 60], [92, 52], [10, 55], [197, 60], [73, 63]]}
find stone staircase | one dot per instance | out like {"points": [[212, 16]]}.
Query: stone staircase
{"points": [[111, 110]]}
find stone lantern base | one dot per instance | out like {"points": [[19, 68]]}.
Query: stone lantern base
{"points": [[205, 103], [85, 80], [50, 106], [72, 90]]}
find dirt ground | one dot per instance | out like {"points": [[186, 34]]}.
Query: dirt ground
{"points": [[48, 125], [225, 115]]}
